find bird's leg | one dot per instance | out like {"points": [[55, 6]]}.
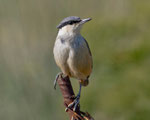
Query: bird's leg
{"points": [[76, 102], [55, 81], [79, 93]]}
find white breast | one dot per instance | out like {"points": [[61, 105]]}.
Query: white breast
{"points": [[61, 55]]}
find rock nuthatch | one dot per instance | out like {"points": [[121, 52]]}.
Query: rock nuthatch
{"points": [[72, 53]]}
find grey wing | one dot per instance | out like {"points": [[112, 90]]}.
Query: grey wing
{"points": [[89, 50]]}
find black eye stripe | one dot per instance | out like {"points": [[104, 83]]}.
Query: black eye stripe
{"points": [[73, 22], [69, 21]]}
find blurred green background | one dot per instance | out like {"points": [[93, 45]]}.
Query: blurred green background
{"points": [[119, 38]]}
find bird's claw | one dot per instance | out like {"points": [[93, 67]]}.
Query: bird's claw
{"points": [[56, 79], [74, 104]]}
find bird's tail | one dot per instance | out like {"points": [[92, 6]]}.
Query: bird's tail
{"points": [[84, 82]]}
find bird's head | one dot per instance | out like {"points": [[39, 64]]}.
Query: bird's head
{"points": [[72, 24]]}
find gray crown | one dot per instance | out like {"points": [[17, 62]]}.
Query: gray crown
{"points": [[68, 20]]}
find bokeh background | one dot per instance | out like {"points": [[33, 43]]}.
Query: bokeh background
{"points": [[119, 38]]}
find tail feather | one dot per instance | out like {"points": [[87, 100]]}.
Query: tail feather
{"points": [[84, 82]]}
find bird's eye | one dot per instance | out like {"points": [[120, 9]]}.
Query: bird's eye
{"points": [[71, 22]]}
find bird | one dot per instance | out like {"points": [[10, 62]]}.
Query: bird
{"points": [[72, 53]]}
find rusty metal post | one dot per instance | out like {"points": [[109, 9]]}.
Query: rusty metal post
{"points": [[69, 96]]}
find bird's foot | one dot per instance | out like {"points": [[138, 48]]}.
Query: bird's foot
{"points": [[74, 104], [55, 81]]}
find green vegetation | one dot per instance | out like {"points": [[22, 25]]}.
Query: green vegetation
{"points": [[119, 38]]}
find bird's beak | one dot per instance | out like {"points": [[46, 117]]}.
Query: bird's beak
{"points": [[85, 20]]}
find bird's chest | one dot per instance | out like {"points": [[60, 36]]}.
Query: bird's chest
{"points": [[61, 49], [67, 49], [76, 50]]}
